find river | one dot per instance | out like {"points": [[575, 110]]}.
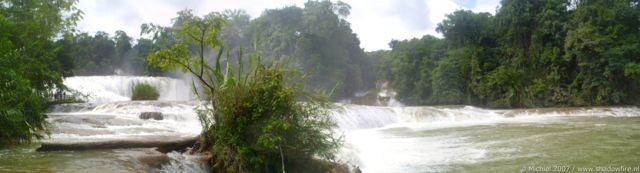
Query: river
{"points": [[377, 139]]}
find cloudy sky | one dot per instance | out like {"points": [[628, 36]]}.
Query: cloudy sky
{"points": [[375, 21]]}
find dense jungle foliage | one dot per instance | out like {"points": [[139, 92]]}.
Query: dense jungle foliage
{"points": [[30, 67], [529, 54]]}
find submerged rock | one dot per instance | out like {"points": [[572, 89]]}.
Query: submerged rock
{"points": [[152, 158], [151, 115]]}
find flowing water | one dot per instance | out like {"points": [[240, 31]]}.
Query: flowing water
{"points": [[109, 116], [469, 139], [104, 89], [377, 139]]}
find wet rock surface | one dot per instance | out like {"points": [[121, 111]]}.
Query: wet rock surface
{"points": [[151, 115], [151, 157]]}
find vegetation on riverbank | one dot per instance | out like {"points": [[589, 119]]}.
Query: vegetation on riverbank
{"points": [[529, 54], [143, 91], [257, 119], [29, 65]]}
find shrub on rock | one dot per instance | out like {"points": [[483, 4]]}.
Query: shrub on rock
{"points": [[143, 91]]}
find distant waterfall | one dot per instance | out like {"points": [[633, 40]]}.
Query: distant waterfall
{"points": [[354, 117], [103, 89]]}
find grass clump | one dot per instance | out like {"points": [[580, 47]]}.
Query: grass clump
{"points": [[143, 91]]}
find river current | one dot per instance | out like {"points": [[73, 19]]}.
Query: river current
{"points": [[377, 139]]}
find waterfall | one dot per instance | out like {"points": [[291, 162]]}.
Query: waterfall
{"points": [[376, 138], [103, 89], [354, 117], [440, 138]]}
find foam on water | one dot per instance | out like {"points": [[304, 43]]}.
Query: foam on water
{"points": [[389, 139], [378, 139], [354, 117], [182, 162], [377, 152], [120, 121]]}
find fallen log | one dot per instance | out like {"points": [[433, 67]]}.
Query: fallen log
{"points": [[161, 145]]}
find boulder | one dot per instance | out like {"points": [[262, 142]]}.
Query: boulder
{"points": [[151, 115]]}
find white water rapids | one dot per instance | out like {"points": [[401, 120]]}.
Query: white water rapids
{"points": [[105, 89], [110, 115], [424, 139]]}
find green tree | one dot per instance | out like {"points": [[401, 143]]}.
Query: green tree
{"points": [[123, 46], [142, 50], [321, 42], [531, 54], [21, 106], [254, 121], [603, 42], [412, 62], [471, 45], [29, 69]]}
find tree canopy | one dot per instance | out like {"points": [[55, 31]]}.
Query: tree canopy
{"points": [[530, 54], [29, 67]]}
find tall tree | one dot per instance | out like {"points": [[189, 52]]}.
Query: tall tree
{"points": [[532, 53], [603, 42], [122, 49], [28, 62], [322, 42]]}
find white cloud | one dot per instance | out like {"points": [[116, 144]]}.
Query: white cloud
{"points": [[487, 6], [439, 10], [375, 22]]}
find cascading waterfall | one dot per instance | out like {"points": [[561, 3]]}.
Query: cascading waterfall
{"points": [[354, 117], [104, 89], [110, 117]]}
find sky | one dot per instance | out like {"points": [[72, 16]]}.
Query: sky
{"points": [[376, 22]]}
